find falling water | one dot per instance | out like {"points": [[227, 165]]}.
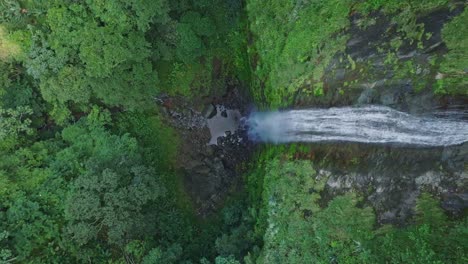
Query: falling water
{"points": [[370, 124]]}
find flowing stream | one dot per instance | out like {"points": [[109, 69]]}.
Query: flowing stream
{"points": [[369, 124]]}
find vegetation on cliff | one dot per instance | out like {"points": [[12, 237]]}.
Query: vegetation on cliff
{"points": [[297, 225], [301, 49]]}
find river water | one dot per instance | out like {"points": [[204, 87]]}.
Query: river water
{"points": [[369, 124]]}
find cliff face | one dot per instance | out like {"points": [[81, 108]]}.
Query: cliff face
{"points": [[390, 178], [407, 54], [391, 61]]}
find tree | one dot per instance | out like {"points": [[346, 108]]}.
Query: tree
{"points": [[226, 260], [6, 256], [13, 124], [428, 211], [110, 186], [8, 48], [190, 46], [109, 203], [342, 231], [97, 50], [170, 256]]}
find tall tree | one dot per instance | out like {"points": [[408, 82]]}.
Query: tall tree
{"points": [[111, 188]]}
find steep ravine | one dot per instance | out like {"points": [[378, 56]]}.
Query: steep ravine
{"points": [[389, 177]]}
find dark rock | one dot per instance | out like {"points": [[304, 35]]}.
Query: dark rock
{"points": [[371, 57], [210, 172], [455, 203], [392, 178], [224, 113], [202, 170], [367, 96], [389, 98], [340, 74], [209, 111]]}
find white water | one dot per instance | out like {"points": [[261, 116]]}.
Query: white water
{"points": [[370, 124]]}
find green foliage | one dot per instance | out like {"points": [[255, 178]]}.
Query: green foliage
{"points": [[238, 236], [295, 42], [226, 260], [23, 169], [171, 255], [9, 9], [157, 140], [451, 78], [96, 50], [433, 239], [203, 42], [453, 66], [392, 6], [31, 201], [190, 46], [103, 163], [32, 226], [342, 229], [97, 186], [119, 211], [291, 196], [9, 49], [428, 211], [5, 254], [87, 169], [339, 232], [14, 122]]}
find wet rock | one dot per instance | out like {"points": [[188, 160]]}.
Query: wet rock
{"points": [[209, 171], [455, 203], [209, 111], [340, 74], [210, 150], [193, 164], [392, 178], [378, 51], [456, 158], [201, 170], [430, 178], [367, 96], [391, 97], [224, 113]]}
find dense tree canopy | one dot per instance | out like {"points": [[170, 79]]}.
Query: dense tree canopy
{"points": [[87, 160]]}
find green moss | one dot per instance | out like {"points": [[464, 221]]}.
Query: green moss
{"points": [[404, 15], [454, 65], [391, 59], [318, 90], [295, 42], [352, 63]]}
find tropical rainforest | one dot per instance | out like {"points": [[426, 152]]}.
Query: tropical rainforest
{"points": [[90, 161]]}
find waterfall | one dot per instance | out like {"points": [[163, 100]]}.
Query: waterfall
{"points": [[369, 124]]}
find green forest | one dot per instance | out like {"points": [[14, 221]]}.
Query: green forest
{"points": [[90, 163]]}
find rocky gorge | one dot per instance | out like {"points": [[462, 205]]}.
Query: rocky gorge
{"points": [[378, 67]]}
